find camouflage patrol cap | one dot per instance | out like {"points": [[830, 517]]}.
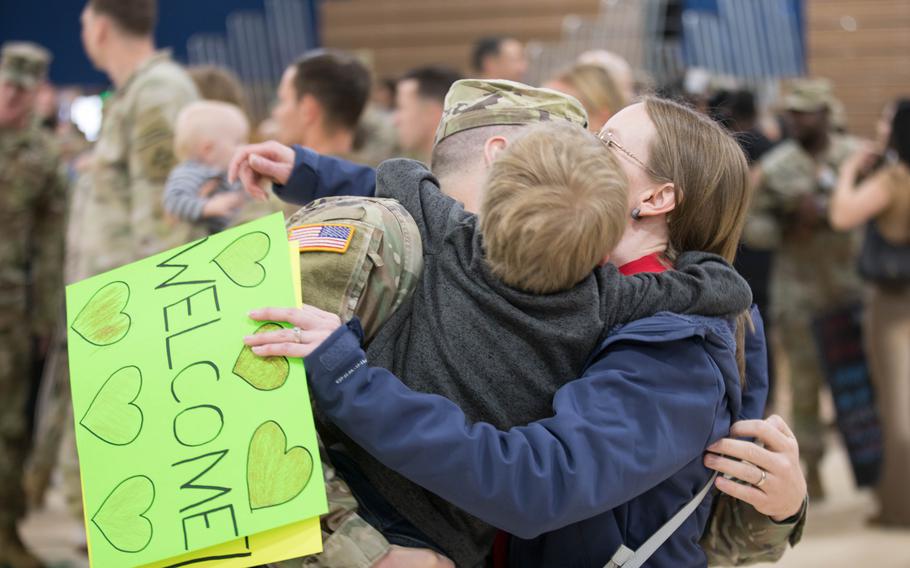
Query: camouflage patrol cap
{"points": [[809, 95], [370, 266], [473, 103], [23, 63]]}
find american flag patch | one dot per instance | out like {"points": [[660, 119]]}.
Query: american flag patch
{"points": [[322, 237]]}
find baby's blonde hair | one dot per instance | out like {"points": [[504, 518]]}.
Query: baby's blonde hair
{"points": [[554, 208], [204, 121]]}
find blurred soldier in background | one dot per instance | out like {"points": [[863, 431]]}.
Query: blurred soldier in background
{"points": [[118, 208], [320, 101], [499, 57], [419, 99], [31, 211], [813, 267], [116, 213]]}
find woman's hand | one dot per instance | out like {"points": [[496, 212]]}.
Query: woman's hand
{"points": [[775, 483], [860, 161], [312, 326]]}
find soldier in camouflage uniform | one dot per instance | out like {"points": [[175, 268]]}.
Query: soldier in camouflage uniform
{"points": [[31, 210], [813, 270], [118, 210], [370, 280]]}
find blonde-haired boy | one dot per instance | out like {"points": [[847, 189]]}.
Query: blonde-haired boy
{"points": [[206, 135], [554, 208]]}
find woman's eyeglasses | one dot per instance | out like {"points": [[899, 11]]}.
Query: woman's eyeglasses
{"points": [[606, 137]]}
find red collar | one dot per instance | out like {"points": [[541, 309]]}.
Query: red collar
{"points": [[654, 262]]}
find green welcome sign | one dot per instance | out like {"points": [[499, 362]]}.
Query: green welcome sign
{"points": [[186, 439]]}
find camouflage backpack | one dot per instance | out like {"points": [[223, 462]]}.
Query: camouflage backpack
{"points": [[369, 265]]}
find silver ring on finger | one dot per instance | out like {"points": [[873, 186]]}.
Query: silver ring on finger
{"points": [[297, 337], [764, 477]]}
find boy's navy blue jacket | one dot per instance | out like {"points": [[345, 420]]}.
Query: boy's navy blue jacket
{"points": [[621, 454], [316, 176]]}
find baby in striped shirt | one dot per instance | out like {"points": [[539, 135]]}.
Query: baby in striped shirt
{"points": [[197, 191]]}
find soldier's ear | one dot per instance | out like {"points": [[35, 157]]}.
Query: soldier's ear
{"points": [[101, 27], [310, 110], [492, 147]]}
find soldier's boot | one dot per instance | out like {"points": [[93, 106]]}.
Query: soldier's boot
{"points": [[13, 553]]}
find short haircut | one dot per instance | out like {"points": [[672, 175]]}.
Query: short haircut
{"points": [[554, 208], [433, 82], [338, 81], [204, 121], [455, 153], [135, 17], [486, 47]]}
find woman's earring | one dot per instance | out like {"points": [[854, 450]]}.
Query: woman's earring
{"points": [[636, 214]]}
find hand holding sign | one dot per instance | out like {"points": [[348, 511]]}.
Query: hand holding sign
{"points": [[262, 373], [312, 327]]}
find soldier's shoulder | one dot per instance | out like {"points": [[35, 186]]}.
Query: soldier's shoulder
{"points": [[165, 80]]}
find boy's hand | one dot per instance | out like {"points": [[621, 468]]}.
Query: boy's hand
{"points": [[223, 204], [312, 326], [257, 165]]}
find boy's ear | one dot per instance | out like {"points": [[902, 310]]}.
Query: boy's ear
{"points": [[492, 147], [658, 201]]}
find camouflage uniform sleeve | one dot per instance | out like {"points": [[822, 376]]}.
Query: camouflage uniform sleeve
{"points": [[151, 158], [47, 271], [762, 230], [738, 535]]}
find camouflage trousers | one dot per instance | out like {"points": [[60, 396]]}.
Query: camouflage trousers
{"points": [[806, 382], [15, 371]]}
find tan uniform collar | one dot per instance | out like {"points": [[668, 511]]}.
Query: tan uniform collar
{"points": [[159, 57]]}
